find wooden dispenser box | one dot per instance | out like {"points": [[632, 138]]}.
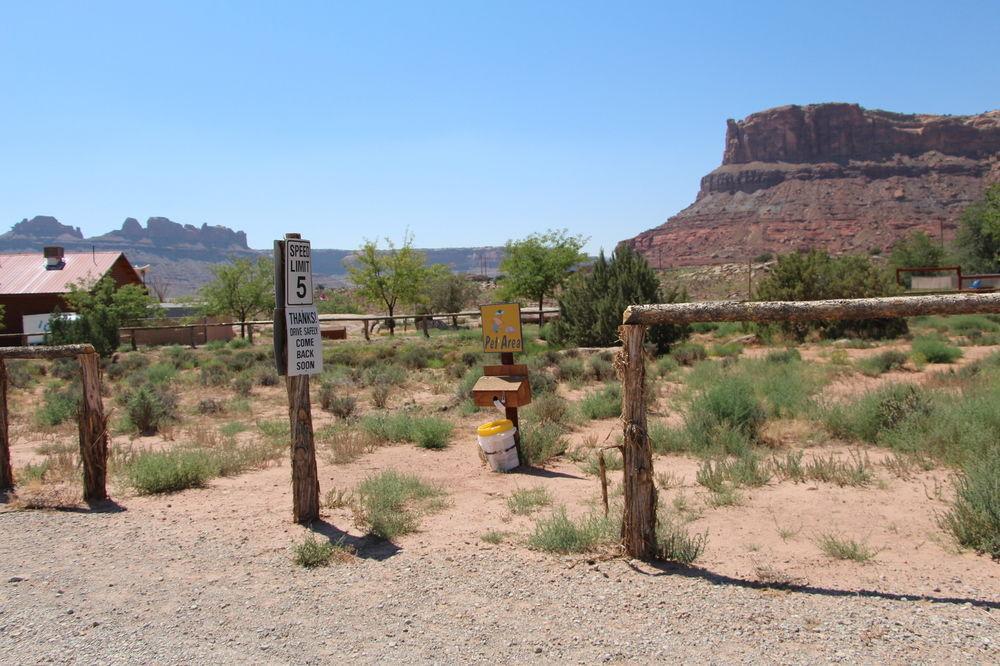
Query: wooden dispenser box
{"points": [[506, 383]]}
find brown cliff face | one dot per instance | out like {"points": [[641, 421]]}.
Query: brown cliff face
{"points": [[835, 176]]}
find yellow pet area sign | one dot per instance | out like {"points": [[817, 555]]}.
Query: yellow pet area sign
{"points": [[501, 327]]}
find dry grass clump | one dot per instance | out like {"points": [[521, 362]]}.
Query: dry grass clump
{"points": [[343, 444], [525, 501], [312, 552], [390, 503]]}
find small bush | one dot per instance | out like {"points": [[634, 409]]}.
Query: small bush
{"points": [[789, 355], [675, 544], [267, 376], [313, 553], [541, 382], [934, 350], [243, 384], [209, 406], [59, 404], [214, 372], [69, 368], [390, 503], [429, 432], [877, 412], [559, 534], [342, 444], [570, 369], [603, 404], [155, 472], [525, 501], [380, 395], [873, 366], [600, 368], [149, 407], [688, 353], [181, 358], [240, 361], [541, 442], [333, 399], [22, 374], [414, 356], [840, 548], [666, 365], [727, 350], [548, 408], [974, 517], [725, 416], [384, 373]]}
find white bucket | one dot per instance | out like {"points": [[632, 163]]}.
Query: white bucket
{"points": [[496, 439]]}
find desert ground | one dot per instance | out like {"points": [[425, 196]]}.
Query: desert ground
{"points": [[833, 546]]}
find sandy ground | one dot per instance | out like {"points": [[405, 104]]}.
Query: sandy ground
{"points": [[207, 574]]}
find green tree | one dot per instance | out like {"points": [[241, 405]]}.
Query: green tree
{"points": [[389, 277], [101, 311], [815, 275], [592, 303], [917, 249], [448, 292], [978, 240], [241, 288], [536, 266]]}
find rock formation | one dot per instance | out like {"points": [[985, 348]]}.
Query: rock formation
{"points": [[834, 176]]}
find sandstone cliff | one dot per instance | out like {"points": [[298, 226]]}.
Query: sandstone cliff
{"points": [[835, 176]]}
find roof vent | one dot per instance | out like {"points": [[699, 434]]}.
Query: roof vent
{"points": [[53, 257]]}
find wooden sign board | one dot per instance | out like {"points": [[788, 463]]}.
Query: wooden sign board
{"points": [[502, 327]]}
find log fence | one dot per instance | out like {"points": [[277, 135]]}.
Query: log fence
{"points": [[92, 422], [638, 532]]}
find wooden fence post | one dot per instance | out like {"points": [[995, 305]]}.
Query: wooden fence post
{"points": [[6, 472], [93, 431], [305, 480], [639, 517]]}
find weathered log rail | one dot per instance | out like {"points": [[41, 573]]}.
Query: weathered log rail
{"points": [[91, 419], [639, 516]]}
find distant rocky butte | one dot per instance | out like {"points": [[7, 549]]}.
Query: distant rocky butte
{"points": [[833, 176], [181, 255]]}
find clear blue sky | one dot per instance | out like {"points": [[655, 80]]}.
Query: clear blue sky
{"points": [[467, 122]]}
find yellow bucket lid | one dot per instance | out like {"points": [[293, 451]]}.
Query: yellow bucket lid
{"points": [[494, 428]]}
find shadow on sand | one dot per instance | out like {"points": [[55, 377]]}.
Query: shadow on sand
{"points": [[366, 547], [666, 568]]}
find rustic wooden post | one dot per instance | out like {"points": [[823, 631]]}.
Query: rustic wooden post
{"points": [[367, 336], [6, 471], [639, 517], [135, 346], [510, 413], [93, 431], [305, 480]]}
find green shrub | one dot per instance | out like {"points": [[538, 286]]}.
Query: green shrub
{"points": [[414, 356], [149, 406], [935, 350], [557, 533], [182, 358], [243, 383], [666, 365], [877, 412], [266, 376], [725, 417], [59, 404], [675, 544], [873, 366], [548, 408], [787, 355], [384, 373], [570, 369], [214, 372], [334, 399], [238, 343], [380, 395], [390, 503], [22, 373], [170, 471], [525, 501], [161, 373], [541, 442], [541, 382], [428, 432], [313, 553], [974, 517], [69, 368], [840, 548], [600, 368], [688, 353], [727, 350], [603, 404], [240, 361]]}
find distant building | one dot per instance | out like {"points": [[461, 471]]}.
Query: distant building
{"points": [[33, 284]]}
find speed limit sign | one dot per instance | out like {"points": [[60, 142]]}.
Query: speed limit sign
{"points": [[298, 273]]}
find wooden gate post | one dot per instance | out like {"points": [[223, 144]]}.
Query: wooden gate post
{"points": [[93, 431], [639, 517], [305, 479], [6, 472]]}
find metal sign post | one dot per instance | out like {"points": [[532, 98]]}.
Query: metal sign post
{"points": [[298, 353]]}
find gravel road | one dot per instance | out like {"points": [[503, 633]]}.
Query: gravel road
{"points": [[145, 586]]}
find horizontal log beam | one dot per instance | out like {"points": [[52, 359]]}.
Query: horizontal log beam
{"points": [[846, 308], [56, 351]]}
